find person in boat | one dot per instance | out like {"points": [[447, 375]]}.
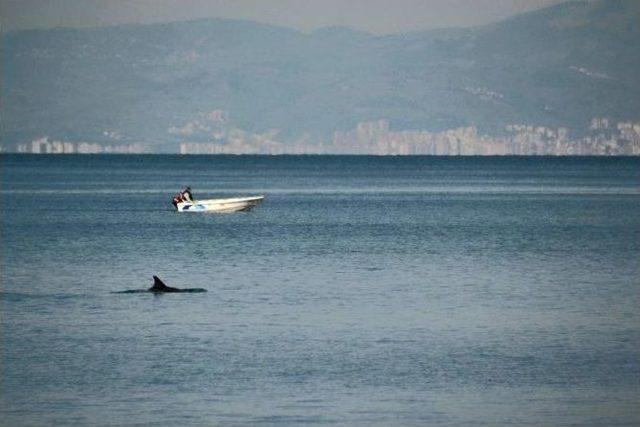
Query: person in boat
{"points": [[182, 196], [186, 195]]}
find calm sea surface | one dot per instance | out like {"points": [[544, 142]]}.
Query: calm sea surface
{"points": [[382, 291]]}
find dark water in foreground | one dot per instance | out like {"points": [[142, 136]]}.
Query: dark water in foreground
{"points": [[364, 291]]}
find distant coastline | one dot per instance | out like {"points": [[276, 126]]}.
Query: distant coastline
{"points": [[561, 80], [601, 138]]}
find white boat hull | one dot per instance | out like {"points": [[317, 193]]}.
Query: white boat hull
{"points": [[220, 205]]}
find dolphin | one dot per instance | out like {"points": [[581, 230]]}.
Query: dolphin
{"points": [[159, 287]]}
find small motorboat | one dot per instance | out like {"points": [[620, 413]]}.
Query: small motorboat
{"points": [[220, 205]]}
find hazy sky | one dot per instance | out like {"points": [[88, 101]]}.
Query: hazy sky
{"points": [[377, 16]]}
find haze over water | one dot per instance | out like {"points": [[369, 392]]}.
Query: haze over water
{"points": [[363, 291]]}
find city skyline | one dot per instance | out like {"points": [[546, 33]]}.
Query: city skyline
{"points": [[602, 137]]}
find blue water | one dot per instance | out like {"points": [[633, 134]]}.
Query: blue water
{"points": [[364, 291]]}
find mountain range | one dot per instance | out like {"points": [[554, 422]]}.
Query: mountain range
{"points": [[557, 67]]}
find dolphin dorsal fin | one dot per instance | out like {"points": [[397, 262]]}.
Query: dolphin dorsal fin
{"points": [[158, 284]]}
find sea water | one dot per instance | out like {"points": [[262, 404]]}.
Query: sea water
{"points": [[364, 291]]}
